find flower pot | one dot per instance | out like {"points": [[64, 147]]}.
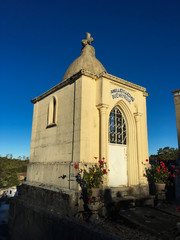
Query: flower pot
{"points": [[160, 186], [95, 192], [94, 206]]}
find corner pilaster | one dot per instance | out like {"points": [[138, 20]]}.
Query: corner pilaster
{"points": [[138, 116]]}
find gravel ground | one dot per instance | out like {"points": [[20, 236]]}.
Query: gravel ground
{"points": [[124, 232]]}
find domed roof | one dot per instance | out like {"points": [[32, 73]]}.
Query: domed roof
{"points": [[87, 60]]}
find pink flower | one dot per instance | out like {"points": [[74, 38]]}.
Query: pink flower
{"points": [[173, 166], [158, 169]]}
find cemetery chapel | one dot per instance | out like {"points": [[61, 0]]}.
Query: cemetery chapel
{"points": [[91, 113]]}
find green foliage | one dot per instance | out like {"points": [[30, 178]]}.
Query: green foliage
{"points": [[92, 177], [159, 173], [166, 153], [9, 168]]}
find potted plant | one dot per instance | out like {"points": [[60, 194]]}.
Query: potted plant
{"points": [[160, 174], [90, 180], [92, 177]]}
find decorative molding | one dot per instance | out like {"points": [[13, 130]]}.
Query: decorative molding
{"points": [[176, 92], [145, 94], [65, 83], [122, 81], [137, 116], [102, 105], [94, 76]]}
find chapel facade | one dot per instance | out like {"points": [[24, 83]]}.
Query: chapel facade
{"points": [[91, 113]]}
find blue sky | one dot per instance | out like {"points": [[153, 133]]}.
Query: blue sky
{"points": [[138, 41]]}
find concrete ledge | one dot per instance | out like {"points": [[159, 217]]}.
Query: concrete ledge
{"points": [[28, 221], [49, 197]]}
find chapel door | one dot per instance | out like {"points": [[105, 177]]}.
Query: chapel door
{"points": [[117, 149]]}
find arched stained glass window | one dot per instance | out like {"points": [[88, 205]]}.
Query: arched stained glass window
{"points": [[117, 127]]}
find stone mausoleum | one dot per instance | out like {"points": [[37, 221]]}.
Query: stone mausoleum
{"points": [[176, 94], [91, 113]]}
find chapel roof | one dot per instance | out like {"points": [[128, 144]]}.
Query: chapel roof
{"points": [[87, 60]]}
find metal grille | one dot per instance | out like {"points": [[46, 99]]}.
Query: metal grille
{"points": [[117, 127]]}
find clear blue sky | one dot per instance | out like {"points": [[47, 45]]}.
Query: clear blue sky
{"points": [[138, 41]]}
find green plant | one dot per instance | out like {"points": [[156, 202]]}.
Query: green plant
{"points": [[93, 176], [159, 173]]}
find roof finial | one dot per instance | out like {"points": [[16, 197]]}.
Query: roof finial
{"points": [[88, 40]]}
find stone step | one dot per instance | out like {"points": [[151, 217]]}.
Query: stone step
{"points": [[117, 204], [120, 191]]}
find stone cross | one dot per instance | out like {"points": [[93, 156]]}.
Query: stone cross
{"points": [[88, 40]]}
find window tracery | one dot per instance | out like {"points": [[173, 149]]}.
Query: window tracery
{"points": [[117, 127]]}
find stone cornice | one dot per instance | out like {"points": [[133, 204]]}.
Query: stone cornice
{"points": [[176, 92], [122, 81], [58, 86], [88, 74]]}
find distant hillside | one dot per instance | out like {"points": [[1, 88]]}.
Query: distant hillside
{"points": [[9, 169]]}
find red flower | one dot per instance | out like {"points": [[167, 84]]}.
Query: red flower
{"points": [[89, 201], [178, 208], [76, 166], [104, 171], [162, 164], [158, 169], [174, 175], [103, 158], [177, 170], [101, 163], [173, 166], [146, 160], [165, 170], [169, 172]]}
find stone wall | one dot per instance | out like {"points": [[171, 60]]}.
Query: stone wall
{"points": [[28, 221]]}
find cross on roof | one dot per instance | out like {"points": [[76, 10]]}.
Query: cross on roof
{"points": [[88, 40]]}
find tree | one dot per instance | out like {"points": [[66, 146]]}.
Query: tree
{"points": [[9, 171], [166, 154]]}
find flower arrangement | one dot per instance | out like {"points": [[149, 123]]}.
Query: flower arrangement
{"points": [[93, 176], [159, 173]]}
